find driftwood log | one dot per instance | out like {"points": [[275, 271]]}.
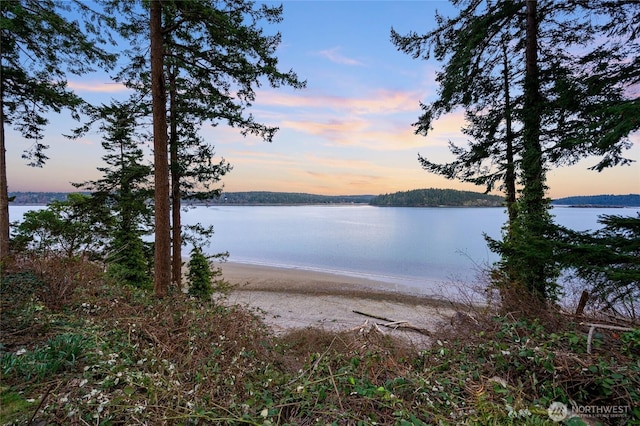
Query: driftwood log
{"points": [[405, 325]]}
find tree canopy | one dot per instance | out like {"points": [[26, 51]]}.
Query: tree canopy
{"points": [[437, 197], [39, 47], [209, 58], [543, 84]]}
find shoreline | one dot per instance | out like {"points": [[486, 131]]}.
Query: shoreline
{"points": [[283, 279], [293, 277], [290, 299]]}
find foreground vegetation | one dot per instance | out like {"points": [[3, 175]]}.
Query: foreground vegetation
{"points": [[77, 349]]}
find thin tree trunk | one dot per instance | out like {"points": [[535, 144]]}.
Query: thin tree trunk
{"points": [[533, 207], [162, 258], [176, 269], [4, 189], [510, 175]]}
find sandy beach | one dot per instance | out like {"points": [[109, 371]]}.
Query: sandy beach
{"points": [[295, 298]]}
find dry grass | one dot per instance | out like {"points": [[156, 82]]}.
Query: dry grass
{"points": [[178, 360]]}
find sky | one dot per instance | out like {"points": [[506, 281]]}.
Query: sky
{"points": [[348, 132]]}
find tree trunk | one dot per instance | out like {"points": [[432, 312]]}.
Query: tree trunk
{"points": [[510, 174], [4, 187], [176, 269], [162, 258], [533, 208]]}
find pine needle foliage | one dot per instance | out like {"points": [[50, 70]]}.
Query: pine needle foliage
{"points": [[199, 275]]}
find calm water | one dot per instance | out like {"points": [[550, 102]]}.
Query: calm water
{"points": [[423, 250]]}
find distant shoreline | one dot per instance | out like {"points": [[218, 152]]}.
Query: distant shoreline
{"points": [[430, 198], [587, 206], [593, 206]]}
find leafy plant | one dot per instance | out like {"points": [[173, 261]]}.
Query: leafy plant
{"points": [[631, 343], [70, 228], [60, 353]]}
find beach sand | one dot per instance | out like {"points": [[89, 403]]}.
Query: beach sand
{"points": [[296, 298]]}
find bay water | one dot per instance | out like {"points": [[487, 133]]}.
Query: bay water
{"points": [[428, 251]]}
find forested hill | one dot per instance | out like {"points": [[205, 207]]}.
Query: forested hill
{"points": [[415, 198], [629, 200], [235, 198], [266, 197], [36, 198], [437, 197]]}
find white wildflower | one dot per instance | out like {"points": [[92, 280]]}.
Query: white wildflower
{"points": [[499, 380]]}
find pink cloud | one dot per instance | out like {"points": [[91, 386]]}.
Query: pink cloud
{"points": [[332, 128], [359, 132], [97, 86], [334, 55], [376, 102]]}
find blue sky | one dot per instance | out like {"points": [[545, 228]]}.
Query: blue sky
{"points": [[348, 132]]}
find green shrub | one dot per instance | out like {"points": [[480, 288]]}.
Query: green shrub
{"points": [[631, 343], [199, 275], [130, 262]]}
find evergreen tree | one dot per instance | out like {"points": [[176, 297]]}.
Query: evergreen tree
{"points": [[215, 56], [608, 261], [39, 45], [162, 247], [564, 76], [199, 275], [125, 190]]}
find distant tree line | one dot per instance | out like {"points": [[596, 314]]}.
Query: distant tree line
{"points": [[267, 197], [629, 200], [36, 198], [437, 197], [415, 198], [241, 198]]}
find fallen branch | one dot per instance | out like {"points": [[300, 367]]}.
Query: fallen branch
{"points": [[372, 316], [593, 326], [46, 394], [395, 324]]}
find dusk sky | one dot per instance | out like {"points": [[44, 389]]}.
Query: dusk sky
{"points": [[348, 132]]}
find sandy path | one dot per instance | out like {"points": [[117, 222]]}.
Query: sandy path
{"points": [[294, 298]]}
